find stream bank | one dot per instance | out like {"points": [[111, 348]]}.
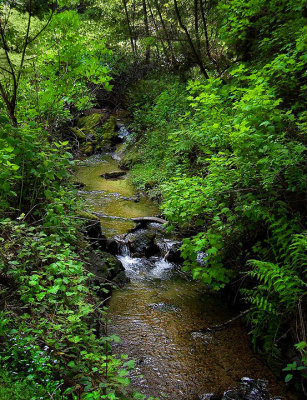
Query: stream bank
{"points": [[159, 312]]}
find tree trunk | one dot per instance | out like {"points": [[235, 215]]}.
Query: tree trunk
{"points": [[196, 55], [196, 24], [129, 27], [202, 9], [169, 43], [147, 56], [165, 50]]}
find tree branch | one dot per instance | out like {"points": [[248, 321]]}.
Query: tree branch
{"points": [[43, 28]]}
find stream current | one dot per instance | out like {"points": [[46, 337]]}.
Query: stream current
{"points": [[158, 313]]}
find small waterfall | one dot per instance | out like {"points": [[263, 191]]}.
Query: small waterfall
{"points": [[146, 268], [123, 249], [123, 132]]}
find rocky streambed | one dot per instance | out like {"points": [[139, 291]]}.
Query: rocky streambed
{"points": [[159, 312]]}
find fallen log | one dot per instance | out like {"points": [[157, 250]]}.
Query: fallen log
{"points": [[141, 220], [148, 220], [110, 216]]}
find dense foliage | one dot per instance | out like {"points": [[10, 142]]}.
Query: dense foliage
{"points": [[226, 155], [53, 329]]}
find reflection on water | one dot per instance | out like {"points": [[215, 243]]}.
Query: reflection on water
{"points": [[111, 197]]}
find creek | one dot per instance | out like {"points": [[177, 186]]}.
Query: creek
{"points": [[157, 315]]}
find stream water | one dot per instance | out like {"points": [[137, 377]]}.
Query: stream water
{"points": [[158, 313]]}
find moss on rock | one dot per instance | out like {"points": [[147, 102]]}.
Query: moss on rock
{"points": [[78, 133], [94, 134], [106, 134], [129, 159], [89, 123]]}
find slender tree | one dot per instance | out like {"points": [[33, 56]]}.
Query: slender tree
{"points": [[190, 41], [147, 57], [9, 93], [203, 15], [166, 33], [133, 48], [162, 40]]}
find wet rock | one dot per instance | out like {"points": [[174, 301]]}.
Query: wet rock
{"points": [[112, 246], [107, 136], [92, 230], [207, 396], [174, 254], [114, 175], [164, 307], [87, 149], [249, 389], [151, 184], [148, 220], [142, 243], [79, 185], [106, 269], [206, 338], [78, 133], [96, 132], [130, 158]]}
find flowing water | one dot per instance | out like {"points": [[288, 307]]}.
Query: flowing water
{"points": [[158, 314]]}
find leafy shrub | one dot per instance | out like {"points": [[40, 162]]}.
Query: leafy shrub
{"points": [[231, 173]]}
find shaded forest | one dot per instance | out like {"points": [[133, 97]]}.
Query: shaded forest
{"points": [[215, 95]]}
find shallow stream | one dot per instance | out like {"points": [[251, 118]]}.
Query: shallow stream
{"points": [[157, 314]]}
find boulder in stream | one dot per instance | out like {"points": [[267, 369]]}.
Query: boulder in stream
{"points": [[114, 175], [142, 243], [92, 230], [249, 389], [174, 254], [106, 269]]}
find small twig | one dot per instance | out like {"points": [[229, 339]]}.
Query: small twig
{"points": [[100, 304], [223, 325]]}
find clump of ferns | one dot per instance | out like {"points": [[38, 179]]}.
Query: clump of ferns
{"points": [[278, 296]]}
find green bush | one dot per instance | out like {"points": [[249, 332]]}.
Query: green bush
{"points": [[230, 169]]}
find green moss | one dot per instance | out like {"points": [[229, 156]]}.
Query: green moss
{"points": [[102, 135], [79, 133], [130, 158], [106, 134], [89, 122], [87, 215], [88, 149]]}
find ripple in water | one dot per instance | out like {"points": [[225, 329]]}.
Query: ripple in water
{"points": [[157, 317]]}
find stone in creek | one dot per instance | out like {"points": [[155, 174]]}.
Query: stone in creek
{"points": [[112, 246], [106, 268], [205, 337], [249, 389], [163, 307], [114, 175], [142, 243], [92, 230], [174, 255], [207, 396]]}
